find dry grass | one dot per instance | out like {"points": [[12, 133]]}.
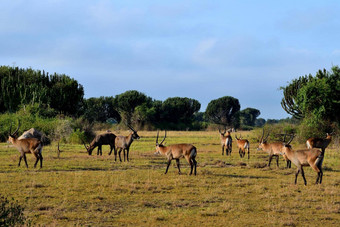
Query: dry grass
{"points": [[77, 189]]}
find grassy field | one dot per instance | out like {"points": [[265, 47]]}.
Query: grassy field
{"points": [[81, 190]]}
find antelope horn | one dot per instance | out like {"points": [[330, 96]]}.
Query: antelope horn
{"points": [[266, 137], [157, 137], [10, 130], [85, 145], [261, 140], [164, 137], [130, 127], [291, 139]]}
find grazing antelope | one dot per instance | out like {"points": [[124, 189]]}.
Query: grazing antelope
{"points": [[26, 146], [319, 142], [226, 141], [124, 143], [177, 151], [273, 149], [106, 138], [242, 146], [306, 157]]}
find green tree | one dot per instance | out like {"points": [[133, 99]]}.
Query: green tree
{"points": [[316, 102], [248, 116], [224, 111], [318, 98], [100, 109], [179, 109], [20, 87], [129, 100]]}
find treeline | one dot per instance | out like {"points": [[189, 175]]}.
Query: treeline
{"points": [[55, 95]]}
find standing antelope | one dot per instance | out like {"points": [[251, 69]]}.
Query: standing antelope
{"points": [[319, 142], [305, 157], [28, 145], [177, 151], [273, 149], [124, 143], [242, 146], [226, 141], [107, 138]]}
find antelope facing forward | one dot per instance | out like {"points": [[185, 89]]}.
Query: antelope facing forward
{"points": [[305, 157], [242, 146], [124, 143], [226, 141], [107, 138], [177, 151], [319, 142], [25, 146], [273, 149]]}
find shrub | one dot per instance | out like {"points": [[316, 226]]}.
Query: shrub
{"points": [[11, 213]]}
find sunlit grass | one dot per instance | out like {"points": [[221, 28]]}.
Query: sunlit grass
{"points": [[77, 189]]}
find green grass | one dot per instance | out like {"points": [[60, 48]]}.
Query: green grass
{"points": [[77, 189]]}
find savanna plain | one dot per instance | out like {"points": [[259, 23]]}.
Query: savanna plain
{"points": [[76, 189]]}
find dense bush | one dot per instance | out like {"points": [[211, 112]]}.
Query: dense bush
{"points": [[11, 213]]}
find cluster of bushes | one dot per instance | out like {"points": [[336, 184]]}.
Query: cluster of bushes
{"points": [[11, 213], [63, 129]]}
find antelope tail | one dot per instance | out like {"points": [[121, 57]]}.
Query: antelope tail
{"points": [[193, 152], [246, 146]]}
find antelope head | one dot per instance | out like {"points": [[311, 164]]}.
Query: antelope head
{"points": [[12, 136], [222, 133], [158, 145], [135, 136], [239, 137], [262, 141], [88, 148]]}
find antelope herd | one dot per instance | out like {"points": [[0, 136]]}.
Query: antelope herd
{"points": [[312, 156]]}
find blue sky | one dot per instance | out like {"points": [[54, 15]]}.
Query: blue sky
{"points": [[197, 49]]}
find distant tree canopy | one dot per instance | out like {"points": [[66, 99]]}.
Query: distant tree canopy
{"points": [[248, 116], [224, 111], [101, 109], [179, 109], [129, 100], [38, 93], [30, 87], [316, 98]]}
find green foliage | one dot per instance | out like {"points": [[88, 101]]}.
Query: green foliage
{"points": [[248, 116], [179, 109], [100, 109], [19, 87], [259, 122], [77, 137], [316, 98], [224, 111], [129, 100], [11, 213]]}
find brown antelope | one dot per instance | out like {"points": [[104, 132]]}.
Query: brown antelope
{"points": [[273, 149], [242, 146], [124, 143], [319, 142], [306, 157], [226, 141], [26, 146], [106, 138], [177, 151]]}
